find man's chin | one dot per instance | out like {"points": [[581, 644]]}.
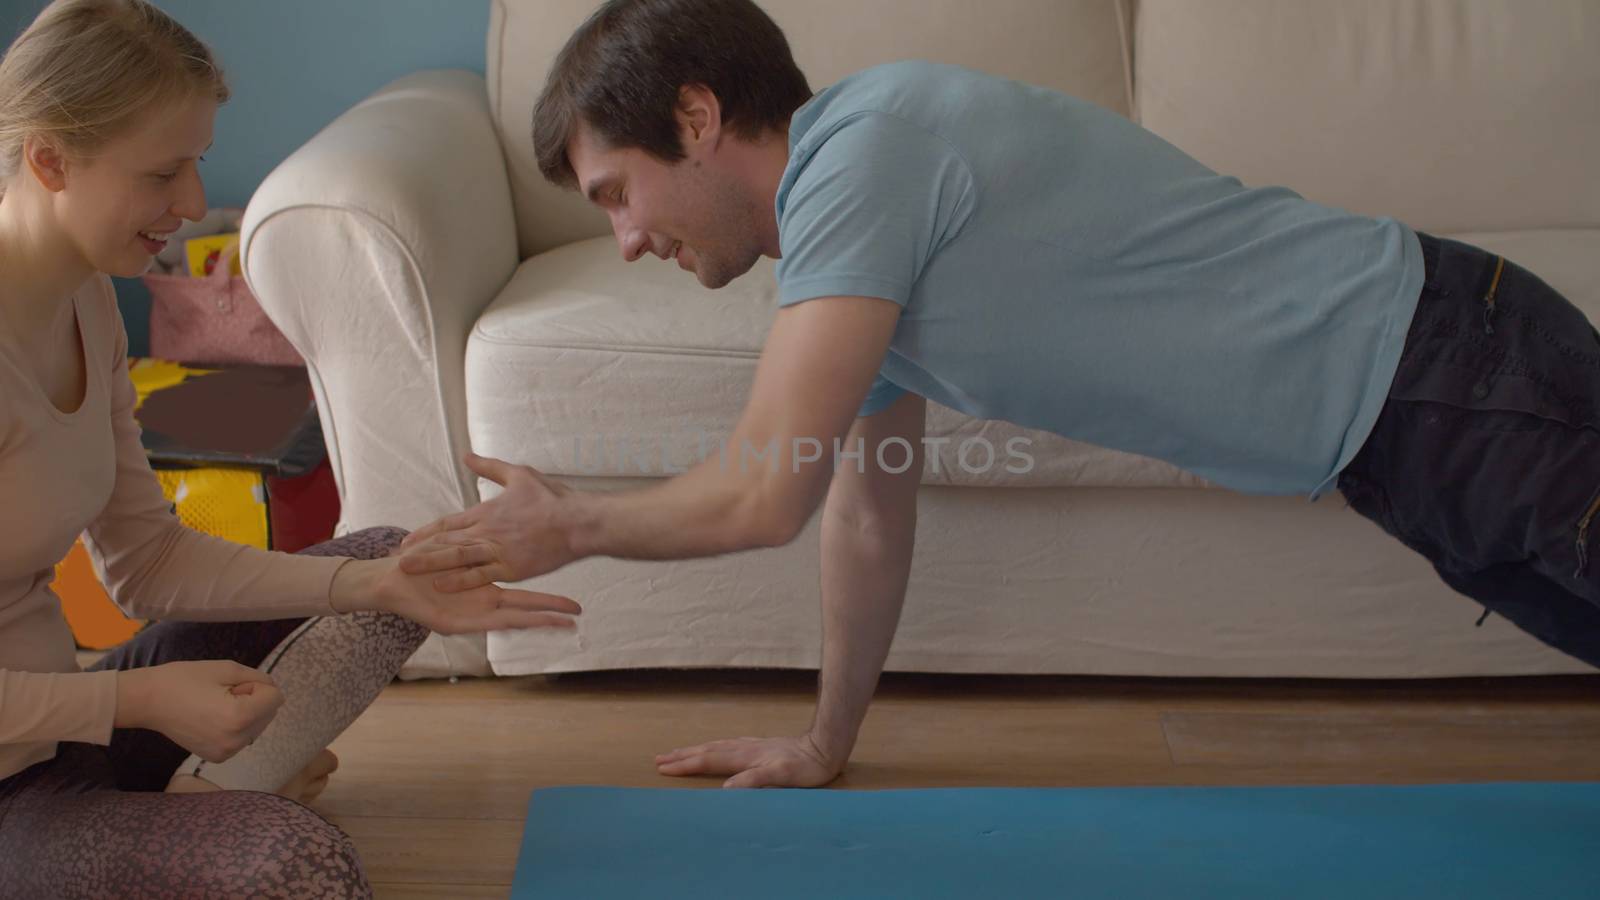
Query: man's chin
{"points": [[713, 279]]}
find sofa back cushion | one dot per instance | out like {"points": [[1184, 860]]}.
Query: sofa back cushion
{"points": [[1076, 46], [1454, 116]]}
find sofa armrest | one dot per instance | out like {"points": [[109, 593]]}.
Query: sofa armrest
{"points": [[374, 248]]}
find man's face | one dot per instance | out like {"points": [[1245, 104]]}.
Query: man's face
{"points": [[693, 210]]}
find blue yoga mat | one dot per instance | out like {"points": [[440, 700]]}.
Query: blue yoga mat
{"points": [[1459, 841]]}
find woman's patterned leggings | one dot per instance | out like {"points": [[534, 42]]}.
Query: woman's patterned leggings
{"points": [[94, 822]]}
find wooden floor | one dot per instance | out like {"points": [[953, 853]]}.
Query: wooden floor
{"points": [[435, 777]]}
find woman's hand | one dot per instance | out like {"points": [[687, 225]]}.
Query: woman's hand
{"points": [[212, 708], [379, 584]]}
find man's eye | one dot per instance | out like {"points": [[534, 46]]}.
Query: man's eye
{"points": [[166, 176]]}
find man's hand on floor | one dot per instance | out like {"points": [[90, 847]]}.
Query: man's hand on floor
{"points": [[755, 762]]}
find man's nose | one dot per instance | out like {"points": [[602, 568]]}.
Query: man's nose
{"points": [[634, 244]]}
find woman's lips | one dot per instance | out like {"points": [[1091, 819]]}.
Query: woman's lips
{"points": [[155, 242]]}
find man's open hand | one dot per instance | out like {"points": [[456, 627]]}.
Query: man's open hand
{"points": [[755, 762]]}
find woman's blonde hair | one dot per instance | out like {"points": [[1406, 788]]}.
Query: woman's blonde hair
{"points": [[85, 68]]}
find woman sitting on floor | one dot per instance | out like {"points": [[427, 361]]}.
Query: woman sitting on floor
{"points": [[175, 766]]}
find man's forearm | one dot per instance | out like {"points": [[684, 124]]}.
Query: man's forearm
{"points": [[711, 509], [864, 575]]}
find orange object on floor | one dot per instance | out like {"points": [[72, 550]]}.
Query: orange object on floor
{"points": [[228, 503], [96, 622]]}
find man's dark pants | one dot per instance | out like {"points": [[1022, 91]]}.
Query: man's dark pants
{"points": [[1486, 458]]}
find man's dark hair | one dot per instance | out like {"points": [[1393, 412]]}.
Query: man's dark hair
{"points": [[620, 74]]}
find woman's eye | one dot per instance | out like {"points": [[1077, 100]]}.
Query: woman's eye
{"points": [[166, 176]]}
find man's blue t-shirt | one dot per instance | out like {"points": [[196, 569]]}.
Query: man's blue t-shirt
{"points": [[1064, 269]]}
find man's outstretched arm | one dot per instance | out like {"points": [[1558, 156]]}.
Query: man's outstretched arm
{"points": [[868, 534], [818, 363]]}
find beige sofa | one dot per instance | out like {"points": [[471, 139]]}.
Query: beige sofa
{"points": [[445, 298]]}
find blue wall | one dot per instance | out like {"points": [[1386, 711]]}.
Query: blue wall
{"points": [[294, 66]]}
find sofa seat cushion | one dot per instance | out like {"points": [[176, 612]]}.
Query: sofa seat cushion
{"points": [[593, 366]]}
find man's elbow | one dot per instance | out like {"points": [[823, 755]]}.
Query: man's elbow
{"points": [[774, 529], [775, 520]]}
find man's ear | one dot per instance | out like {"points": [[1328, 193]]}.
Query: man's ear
{"points": [[47, 162], [699, 116]]}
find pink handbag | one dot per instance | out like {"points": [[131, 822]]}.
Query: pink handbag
{"points": [[213, 320]]}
